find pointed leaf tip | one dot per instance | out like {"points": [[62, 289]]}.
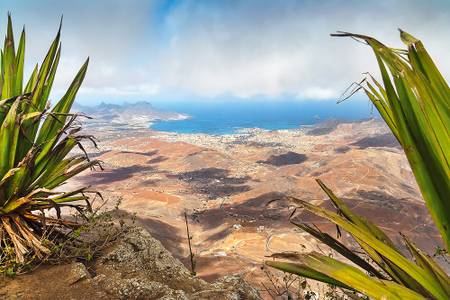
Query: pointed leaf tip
{"points": [[60, 23], [406, 38]]}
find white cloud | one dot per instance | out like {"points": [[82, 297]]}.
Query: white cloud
{"points": [[141, 90], [317, 93], [274, 48], [240, 48]]}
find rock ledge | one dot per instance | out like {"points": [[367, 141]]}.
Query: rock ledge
{"points": [[136, 266]]}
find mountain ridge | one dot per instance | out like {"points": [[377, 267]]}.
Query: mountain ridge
{"points": [[139, 114]]}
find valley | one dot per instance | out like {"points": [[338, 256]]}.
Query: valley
{"points": [[232, 188]]}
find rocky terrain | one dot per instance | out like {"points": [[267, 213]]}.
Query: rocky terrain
{"points": [[227, 184], [135, 266], [232, 188]]}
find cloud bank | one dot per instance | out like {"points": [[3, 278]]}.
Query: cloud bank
{"points": [[246, 49]]}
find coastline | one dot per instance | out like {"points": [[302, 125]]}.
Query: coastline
{"points": [[226, 181], [298, 139]]}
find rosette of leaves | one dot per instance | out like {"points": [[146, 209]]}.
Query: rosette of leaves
{"points": [[414, 100], [35, 146]]}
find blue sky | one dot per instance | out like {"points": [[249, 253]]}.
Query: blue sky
{"points": [[207, 50]]}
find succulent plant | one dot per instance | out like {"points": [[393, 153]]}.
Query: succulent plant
{"points": [[35, 146], [414, 101]]}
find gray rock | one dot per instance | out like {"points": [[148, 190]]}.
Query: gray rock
{"points": [[137, 266], [136, 288], [232, 287], [78, 272], [133, 266]]}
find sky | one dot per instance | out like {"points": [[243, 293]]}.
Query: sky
{"points": [[208, 50]]}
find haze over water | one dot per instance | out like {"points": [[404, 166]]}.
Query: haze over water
{"points": [[225, 117]]}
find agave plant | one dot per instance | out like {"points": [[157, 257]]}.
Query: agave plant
{"points": [[34, 145], [414, 101]]}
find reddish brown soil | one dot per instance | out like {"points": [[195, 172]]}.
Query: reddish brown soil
{"points": [[226, 191]]}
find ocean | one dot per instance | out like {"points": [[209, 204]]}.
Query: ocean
{"points": [[222, 117]]}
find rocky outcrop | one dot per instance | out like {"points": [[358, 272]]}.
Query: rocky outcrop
{"points": [[136, 266]]}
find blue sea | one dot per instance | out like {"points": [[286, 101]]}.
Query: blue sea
{"points": [[225, 117]]}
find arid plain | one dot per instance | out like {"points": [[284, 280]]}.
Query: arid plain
{"points": [[233, 186]]}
